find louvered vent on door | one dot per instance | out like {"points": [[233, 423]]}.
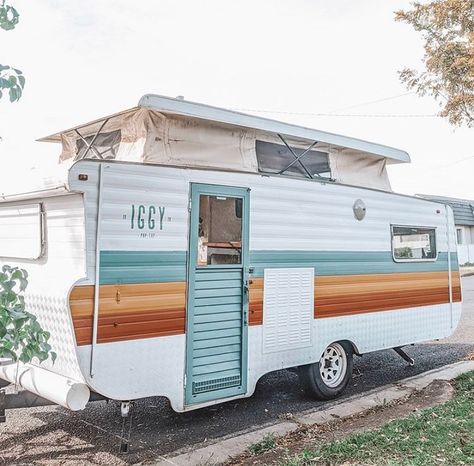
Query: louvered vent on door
{"points": [[217, 330]]}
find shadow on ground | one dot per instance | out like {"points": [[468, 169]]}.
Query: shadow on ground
{"points": [[92, 436]]}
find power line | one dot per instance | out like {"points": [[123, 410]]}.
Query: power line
{"points": [[333, 113], [379, 115], [346, 115], [370, 102], [439, 167]]}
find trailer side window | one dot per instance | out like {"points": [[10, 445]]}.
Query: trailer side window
{"points": [[278, 159], [21, 231], [413, 243], [220, 230]]}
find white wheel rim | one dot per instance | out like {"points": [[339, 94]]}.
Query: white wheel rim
{"points": [[333, 365]]}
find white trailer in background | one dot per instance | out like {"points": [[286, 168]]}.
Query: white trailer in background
{"points": [[189, 250]]}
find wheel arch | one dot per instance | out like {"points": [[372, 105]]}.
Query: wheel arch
{"points": [[352, 345]]}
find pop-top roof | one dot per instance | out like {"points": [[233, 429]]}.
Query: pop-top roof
{"points": [[180, 107]]}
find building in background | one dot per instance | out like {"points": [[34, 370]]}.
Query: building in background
{"points": [[463, 210]]}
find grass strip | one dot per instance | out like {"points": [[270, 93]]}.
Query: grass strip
{"points": [[440, 435]]}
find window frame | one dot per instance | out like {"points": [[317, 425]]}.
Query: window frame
{"points": [[294, 161], [431, 259], [42, 231], [240, 250], [89, 144]]}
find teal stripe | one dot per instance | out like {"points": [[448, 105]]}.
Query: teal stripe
{"points": [[142, 266], [170, 266], [345, 262]]}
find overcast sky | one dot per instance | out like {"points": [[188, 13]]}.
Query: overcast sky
{"points": [[84, 60]]}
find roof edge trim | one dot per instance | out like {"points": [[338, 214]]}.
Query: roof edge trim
{"points": [[56, 137], [210, 113], [55, 190]]}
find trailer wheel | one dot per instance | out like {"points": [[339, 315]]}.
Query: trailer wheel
{"points": [[327, 378]]}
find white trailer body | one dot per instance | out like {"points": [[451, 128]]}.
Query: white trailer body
{"points": [[193, 282]]}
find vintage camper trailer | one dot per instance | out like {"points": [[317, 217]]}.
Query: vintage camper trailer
{"points": [[189, 250]]}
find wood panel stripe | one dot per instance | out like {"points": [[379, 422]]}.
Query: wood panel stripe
{"points": [[340, 295], [256, 301], [129, 311], [147, 310]]}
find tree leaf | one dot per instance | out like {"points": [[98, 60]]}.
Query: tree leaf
{"points": [[5, 83], [23, 284], [9, 284], [26, 355], [4, 353], [13, 94], [16, 274], [42, 355]]}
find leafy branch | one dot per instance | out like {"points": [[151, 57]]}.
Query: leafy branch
{"points": [[9, 16], [21, 336], [447, 28], [11, 79]]}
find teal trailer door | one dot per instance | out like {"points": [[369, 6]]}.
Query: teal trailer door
{"points": [[217, 302]]}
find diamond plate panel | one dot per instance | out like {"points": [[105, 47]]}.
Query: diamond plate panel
{"points": [[53, 315]]}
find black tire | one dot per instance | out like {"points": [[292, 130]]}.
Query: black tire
{"points": [[321, 388]]}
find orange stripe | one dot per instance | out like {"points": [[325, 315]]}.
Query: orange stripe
{"points": [[355, 294], [129, 311], [158, 309], [338, 295], [256, 301]]}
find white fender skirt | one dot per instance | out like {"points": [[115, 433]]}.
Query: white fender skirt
{"points": [[54, 387]]}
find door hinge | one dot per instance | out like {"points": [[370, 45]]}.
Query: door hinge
{"points": [[190, 204], [185, 380]]}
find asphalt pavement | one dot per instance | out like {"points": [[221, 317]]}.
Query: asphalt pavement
{"points": [[54, 435]]}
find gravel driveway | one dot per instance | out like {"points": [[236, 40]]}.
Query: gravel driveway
{"points": [[53, 435]]}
